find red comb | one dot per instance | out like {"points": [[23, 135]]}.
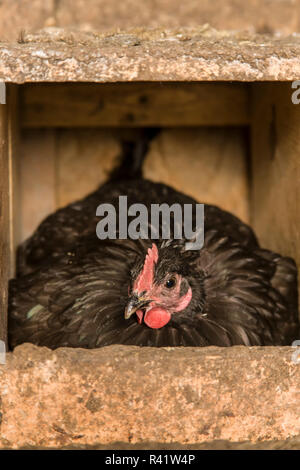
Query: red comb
{"points": [[145, 279]]}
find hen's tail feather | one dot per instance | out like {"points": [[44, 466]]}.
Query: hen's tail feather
{"points": [[131, 160]]}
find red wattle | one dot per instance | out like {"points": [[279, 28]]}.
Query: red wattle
{"points": [[157, 317]]}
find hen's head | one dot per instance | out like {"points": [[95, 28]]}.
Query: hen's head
{"points": [[164, 284]]}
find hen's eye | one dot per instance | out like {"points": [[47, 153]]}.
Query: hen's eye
{"points": [[170, 283]]}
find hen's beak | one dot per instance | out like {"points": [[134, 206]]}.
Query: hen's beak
{"points": [[135, 303]]}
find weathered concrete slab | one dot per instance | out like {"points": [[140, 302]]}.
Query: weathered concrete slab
{"points": [[188, 396], [192, 54], [255, 15], [259, 15]]}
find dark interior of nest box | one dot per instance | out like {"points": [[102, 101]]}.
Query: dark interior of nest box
{"points": [[232, 144]]}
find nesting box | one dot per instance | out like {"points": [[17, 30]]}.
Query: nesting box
{"points": [[230, 136]]}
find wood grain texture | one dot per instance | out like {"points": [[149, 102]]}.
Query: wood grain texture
{"points": [[134, 104], [208, 164], [59, 166], [84, 159], [14, 170], [275, 190], [4, 221], [37, 178]]}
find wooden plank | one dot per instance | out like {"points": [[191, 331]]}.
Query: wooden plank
{"points": [[134, 104], [275, 191], [9, 204], [13, 158], [209, 164], [58, 166], [213, 162], [84, 159], [37, 178], [4, 221]]}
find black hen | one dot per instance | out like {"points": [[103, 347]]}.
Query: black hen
{"points": [[75, 290]]}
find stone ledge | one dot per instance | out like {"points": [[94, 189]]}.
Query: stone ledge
{"points": [[265, 15], [188, 54], [191, 396]]}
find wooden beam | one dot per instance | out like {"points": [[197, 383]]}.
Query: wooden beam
{"points": [[275, 189], [4, 221], [134, 104], [14, 177], [9, 236]]}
